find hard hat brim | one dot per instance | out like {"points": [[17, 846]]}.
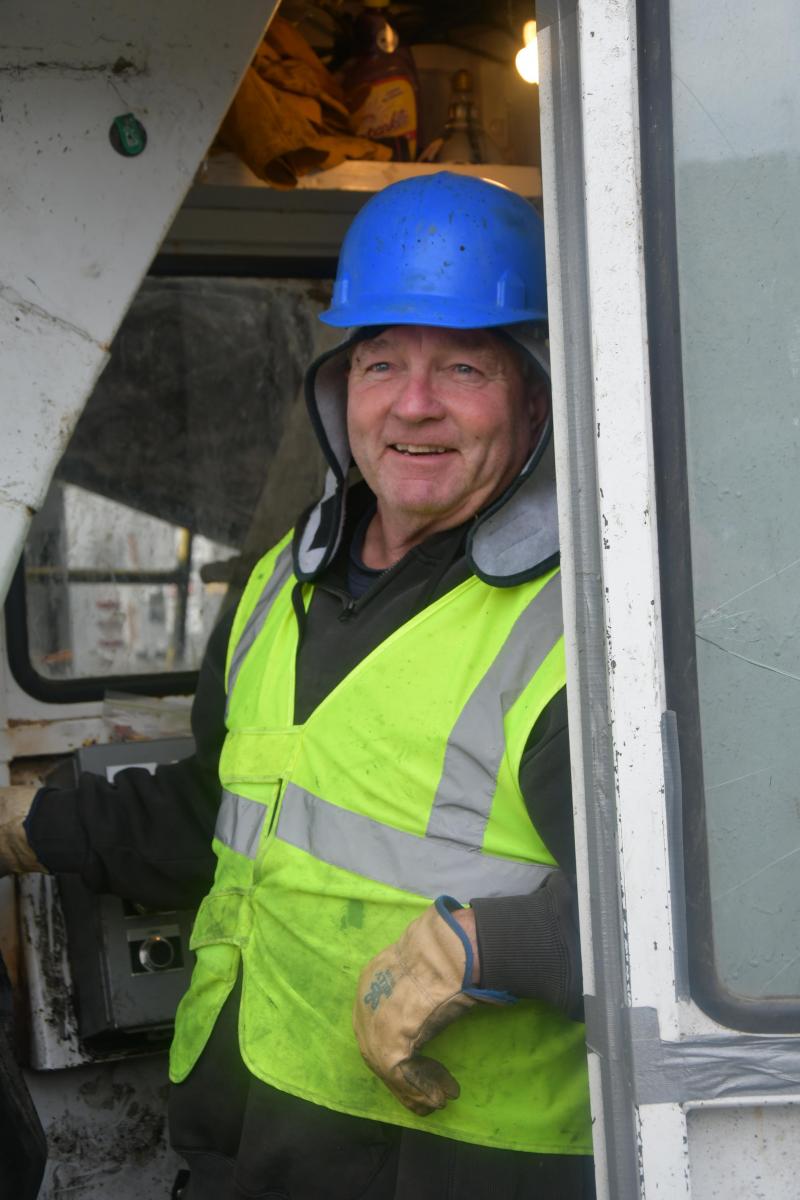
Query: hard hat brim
{"points": [[444, 313]]}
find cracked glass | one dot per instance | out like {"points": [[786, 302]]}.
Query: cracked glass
{"points": [[737, 170]]}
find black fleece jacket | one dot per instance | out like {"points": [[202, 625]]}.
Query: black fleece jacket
{"points": [[148, 838]]}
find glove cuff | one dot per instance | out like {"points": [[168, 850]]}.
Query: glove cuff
{"points": [[446, 906]]}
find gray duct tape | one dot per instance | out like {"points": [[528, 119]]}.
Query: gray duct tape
{"points": [[709, 1067], [674, 805]]}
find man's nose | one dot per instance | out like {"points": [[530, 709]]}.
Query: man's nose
{"points": [[416, 399]]}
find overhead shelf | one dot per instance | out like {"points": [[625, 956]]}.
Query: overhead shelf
{"points": [[231, 213], [227, 170]]}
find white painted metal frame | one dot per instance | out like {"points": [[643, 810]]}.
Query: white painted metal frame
{"points": [[631, 922], [589, 108], [629, 549]]}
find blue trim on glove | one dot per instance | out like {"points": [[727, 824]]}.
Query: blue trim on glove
{"points": [[446, 906]]}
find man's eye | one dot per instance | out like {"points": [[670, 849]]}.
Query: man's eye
{"points": [[464, 369], [377, 367]]}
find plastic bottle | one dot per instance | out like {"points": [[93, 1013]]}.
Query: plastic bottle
{"points": [[381, 83], [463, 139]]}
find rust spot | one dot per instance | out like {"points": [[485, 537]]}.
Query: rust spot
{"points": [[57, 656]]}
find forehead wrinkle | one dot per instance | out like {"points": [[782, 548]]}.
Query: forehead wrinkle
{"points": [[381, 342], [491, 351], [480, 343]]}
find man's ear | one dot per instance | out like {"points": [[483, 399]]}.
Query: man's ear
{"points": [[539, 406]]}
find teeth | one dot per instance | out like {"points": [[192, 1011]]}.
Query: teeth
{"points": [[404, 449]]}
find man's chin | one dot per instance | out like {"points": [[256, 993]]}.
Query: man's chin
{"points": [[422, 505]]}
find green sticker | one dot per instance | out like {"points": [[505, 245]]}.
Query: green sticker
{"points": [[128, 135]]}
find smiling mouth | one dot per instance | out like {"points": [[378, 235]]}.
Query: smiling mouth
{"points": [[419, 451]]}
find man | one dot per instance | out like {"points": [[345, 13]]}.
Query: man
{"points": [[395, 748]]}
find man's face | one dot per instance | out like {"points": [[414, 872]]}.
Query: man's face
{"points": [[440, 420]]}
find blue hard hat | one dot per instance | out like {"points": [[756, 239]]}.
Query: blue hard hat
{"points": [[445, 250]]}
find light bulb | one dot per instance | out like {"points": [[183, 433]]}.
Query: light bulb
{"points": [[527, 59]]}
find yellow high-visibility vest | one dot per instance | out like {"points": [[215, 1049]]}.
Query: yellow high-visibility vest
{"points": [[333, 835]]}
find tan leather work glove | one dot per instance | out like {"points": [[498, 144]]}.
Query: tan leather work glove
{"points": [[410, 992], [289, 116], [16, 856]]}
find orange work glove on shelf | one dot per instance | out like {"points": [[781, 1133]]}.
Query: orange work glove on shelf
{"points": [[289, 116]]}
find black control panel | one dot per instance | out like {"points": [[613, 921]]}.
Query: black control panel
{"points": [[130, 965]]}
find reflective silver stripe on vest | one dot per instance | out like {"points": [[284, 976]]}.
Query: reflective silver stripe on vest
{"points": [[476, 744], [239, 823], [255, 622], [426, 866]]}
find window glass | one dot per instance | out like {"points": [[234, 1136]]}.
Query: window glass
{"points": [[112, 591], [193, 456], [737, 170]]}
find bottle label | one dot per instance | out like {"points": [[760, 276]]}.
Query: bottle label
{"points": [[389, 111]]}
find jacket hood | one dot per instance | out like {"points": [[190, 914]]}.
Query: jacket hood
{"points": [[512, 540]]}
